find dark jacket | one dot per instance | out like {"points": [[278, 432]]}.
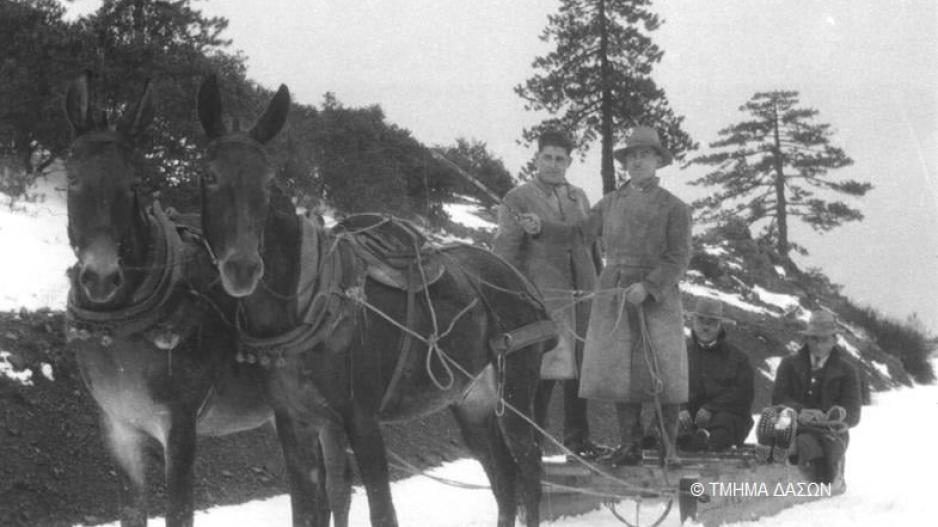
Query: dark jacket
{"points": [[840, 384], [721, 378]]}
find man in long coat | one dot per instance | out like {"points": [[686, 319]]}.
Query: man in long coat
{"points": [[719, 406], [821, 385], [561, 272], [635, 350]]}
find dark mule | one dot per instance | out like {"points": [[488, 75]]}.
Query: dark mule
{"points": [[348, 338], [158, 360]]}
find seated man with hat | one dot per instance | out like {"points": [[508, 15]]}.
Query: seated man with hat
{"points": [[718, 411], [821, 385]]}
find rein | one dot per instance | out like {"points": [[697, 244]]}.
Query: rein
{"points": [[149, 306]]}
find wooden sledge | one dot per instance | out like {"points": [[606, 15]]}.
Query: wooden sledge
{"points": [[709, 488]]}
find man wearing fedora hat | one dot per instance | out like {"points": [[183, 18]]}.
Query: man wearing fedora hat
{"points": [[718, 413], [635, 351], [821, 385]]}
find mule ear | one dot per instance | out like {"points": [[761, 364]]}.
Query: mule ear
{"points": [[133, 124], [77, 104], [272, 121], [210, 107]]}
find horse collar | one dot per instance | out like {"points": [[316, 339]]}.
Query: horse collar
{"points": [[320, 300], [150, 304]]}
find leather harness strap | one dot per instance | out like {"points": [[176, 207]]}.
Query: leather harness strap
{"points": [[154, 301]]}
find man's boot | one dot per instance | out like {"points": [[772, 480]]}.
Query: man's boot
{"points": [[629, 451]]}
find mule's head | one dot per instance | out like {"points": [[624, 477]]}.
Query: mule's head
{"points": [[235, 181], [106, 226]]}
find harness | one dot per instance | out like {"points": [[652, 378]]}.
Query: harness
{"points": [[394, 253], [153, 304], [319, 297]]}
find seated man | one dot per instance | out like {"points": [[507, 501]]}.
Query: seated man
{"points": [[717, 415], [821, 385]]}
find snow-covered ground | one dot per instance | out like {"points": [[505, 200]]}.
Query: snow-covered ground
{"points": [[36, 251], [889, 463]]}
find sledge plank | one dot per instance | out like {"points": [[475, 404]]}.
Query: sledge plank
{"points": [[736, 487]]}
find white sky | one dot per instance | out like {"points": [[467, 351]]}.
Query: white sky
{"points": [[446, 68]]}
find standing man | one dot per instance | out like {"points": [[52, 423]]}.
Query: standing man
{"points": [[718, 413], [561, 272], [824, 388], [635, 350]]}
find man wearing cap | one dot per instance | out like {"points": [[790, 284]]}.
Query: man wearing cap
{"points": [[561, 272], [821, 385], [635, 350], [718, 412]]}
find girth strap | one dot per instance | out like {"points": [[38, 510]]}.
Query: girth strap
{"points": [[407, 343]]}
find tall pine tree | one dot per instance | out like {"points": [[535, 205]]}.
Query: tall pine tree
{"points": [[597, 81], [769, 167]]}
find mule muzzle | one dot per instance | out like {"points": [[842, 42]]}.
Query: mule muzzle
{"points": [[240, 275], [100, 285]]}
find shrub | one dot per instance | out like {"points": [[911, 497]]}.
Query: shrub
{"points": [[910, 345]]}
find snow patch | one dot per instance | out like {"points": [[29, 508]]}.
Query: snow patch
{"points": [[771, 367], [782, 301], [466, 214], [24, 377], [714, 250], [735, 300], [46, 370], [780, 270], [881, 368], [38, 252], [851, 349]]}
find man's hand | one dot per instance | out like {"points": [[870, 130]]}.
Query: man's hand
{"points": [[636, 293], [811, 415], [531, 223], [836, 413], [684, 421], [703, 417]]}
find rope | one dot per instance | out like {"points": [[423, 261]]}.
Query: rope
{"points": [[651, 361]]}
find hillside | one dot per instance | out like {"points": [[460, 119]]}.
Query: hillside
{"points": [[55, 470]]}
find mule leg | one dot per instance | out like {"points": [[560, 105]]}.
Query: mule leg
{"points": [[179, 456], [521, 380], [300, 445], [126, 445], [484, 439], [364, 434], [338, 472]]}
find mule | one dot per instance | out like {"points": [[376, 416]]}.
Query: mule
{"points": [[157, 357], [347, 339]]}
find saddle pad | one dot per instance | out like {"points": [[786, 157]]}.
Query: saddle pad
{"points": [[392, 248]]}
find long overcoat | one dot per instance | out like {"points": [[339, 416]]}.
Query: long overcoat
{"points": [[558, 270], [646, 233]]}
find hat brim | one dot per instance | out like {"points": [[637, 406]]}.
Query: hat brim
{"points": [[666, 157], [691, 314]]}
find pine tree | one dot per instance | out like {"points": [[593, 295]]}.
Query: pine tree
{"points": [[770, 166], [597, 81]]}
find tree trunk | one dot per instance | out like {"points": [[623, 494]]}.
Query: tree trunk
{"points": [[608, 168], [781, 207]]}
